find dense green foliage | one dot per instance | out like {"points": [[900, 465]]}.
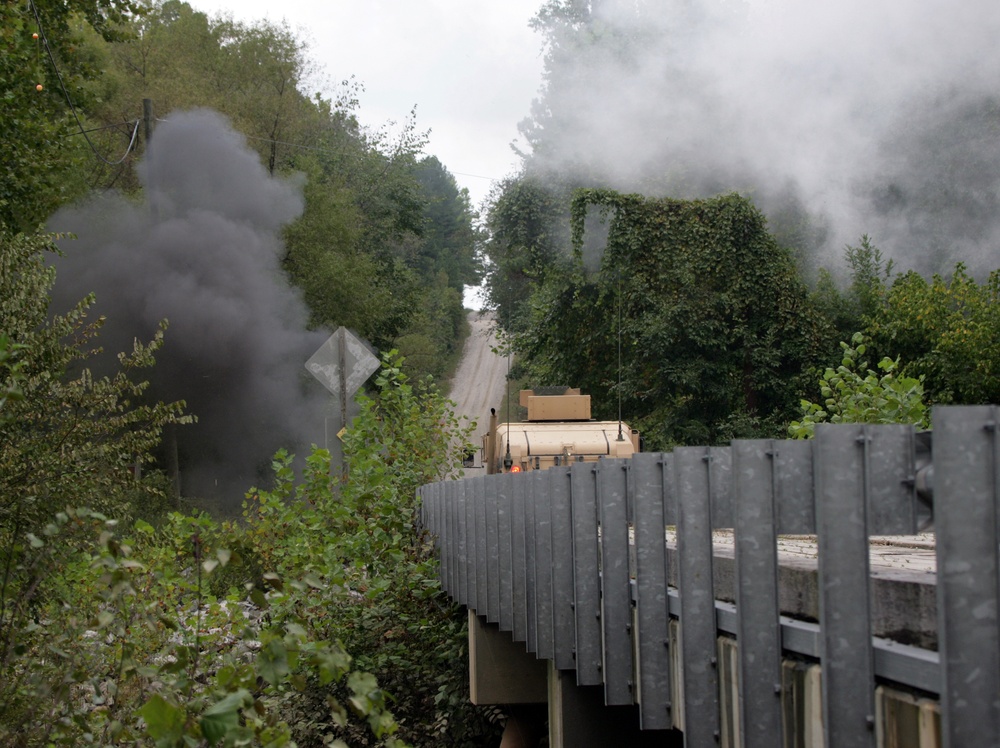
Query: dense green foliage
{"points": [[716, 330], [40, 162], [69, 436], [131, 633], [120, 623], [717, 333], [382, 227], [947, 331], [853, 393]]}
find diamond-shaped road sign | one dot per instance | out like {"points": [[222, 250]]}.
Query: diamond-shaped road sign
{"points": [[343, 363]]}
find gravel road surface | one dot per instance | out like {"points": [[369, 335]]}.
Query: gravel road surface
{"points": [[481, 377]]}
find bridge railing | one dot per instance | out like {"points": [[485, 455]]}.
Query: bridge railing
{"points": [[591, 566]]}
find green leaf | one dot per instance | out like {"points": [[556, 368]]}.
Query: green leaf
{"points": [[224, 716], [164, 721], [272, 662]]}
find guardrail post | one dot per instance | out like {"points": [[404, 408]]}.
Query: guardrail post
{"points": [[842, 479], [543, 480], [698, 625], [652, 667], [492, 504], [616, 606], [505, 510], [563, 615], [518, 543], [586, 586], [758, 622], [966, 517]]}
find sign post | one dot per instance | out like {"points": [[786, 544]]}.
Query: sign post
{"points": [[342, 364]]}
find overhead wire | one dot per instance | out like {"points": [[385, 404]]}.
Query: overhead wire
{"points": [[99, 129], [62, 85], [334, 153], [135, 125]]}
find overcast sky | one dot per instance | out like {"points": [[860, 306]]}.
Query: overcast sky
{"points": [[471, 68]]}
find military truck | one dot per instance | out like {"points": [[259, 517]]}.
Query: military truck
{"points": [[558, 431]]}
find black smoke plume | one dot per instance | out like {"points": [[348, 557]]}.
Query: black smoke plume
{"points": [[204, 253]]}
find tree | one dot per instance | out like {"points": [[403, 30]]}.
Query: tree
{"points": [[849, 309], [448, 241], [716, 329], [526, 226], [42, 76], [948, 333], [70, 437]]}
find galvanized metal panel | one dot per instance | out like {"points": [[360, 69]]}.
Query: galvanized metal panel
{"points": [[652, 636], [454, 540], [759, 631], [670, 510], [720, 464], [698, 627], [463, 543], [448, 540], [518, 578], [966, 514], [472, 547], [563, 617], [845, 620], [432, 508], [505, 511], [586, 574], [443, 515], [543, 563], [793, 487], [892, 497], [492, 552], [616, 604], [530, 562], [479, 600]]}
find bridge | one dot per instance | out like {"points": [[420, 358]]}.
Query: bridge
{"points": [[655, 601]]}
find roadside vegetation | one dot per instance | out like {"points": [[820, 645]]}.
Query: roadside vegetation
{"points": [[315, 617]]}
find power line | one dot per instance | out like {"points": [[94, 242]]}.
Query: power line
{"points": [[99, 129], [334, 153]]}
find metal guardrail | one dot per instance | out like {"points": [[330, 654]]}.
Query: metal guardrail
{"points": [[573, 561]]}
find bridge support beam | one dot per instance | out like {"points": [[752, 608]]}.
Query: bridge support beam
{"points": [[578, 718], [502, 671]]}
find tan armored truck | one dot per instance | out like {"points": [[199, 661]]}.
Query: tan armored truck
{"points": [[558, 431]]}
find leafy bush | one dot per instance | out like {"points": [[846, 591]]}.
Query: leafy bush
{"points": [[71, 437], [205, 633], [853, 393]]}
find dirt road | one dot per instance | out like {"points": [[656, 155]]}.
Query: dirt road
{"points": [[481, 377]]}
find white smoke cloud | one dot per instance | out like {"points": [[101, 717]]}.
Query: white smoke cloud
{"points": [[876, 117]]}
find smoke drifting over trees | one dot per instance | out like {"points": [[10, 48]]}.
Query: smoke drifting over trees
{"points": [[838, 119], [205, 254]]}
